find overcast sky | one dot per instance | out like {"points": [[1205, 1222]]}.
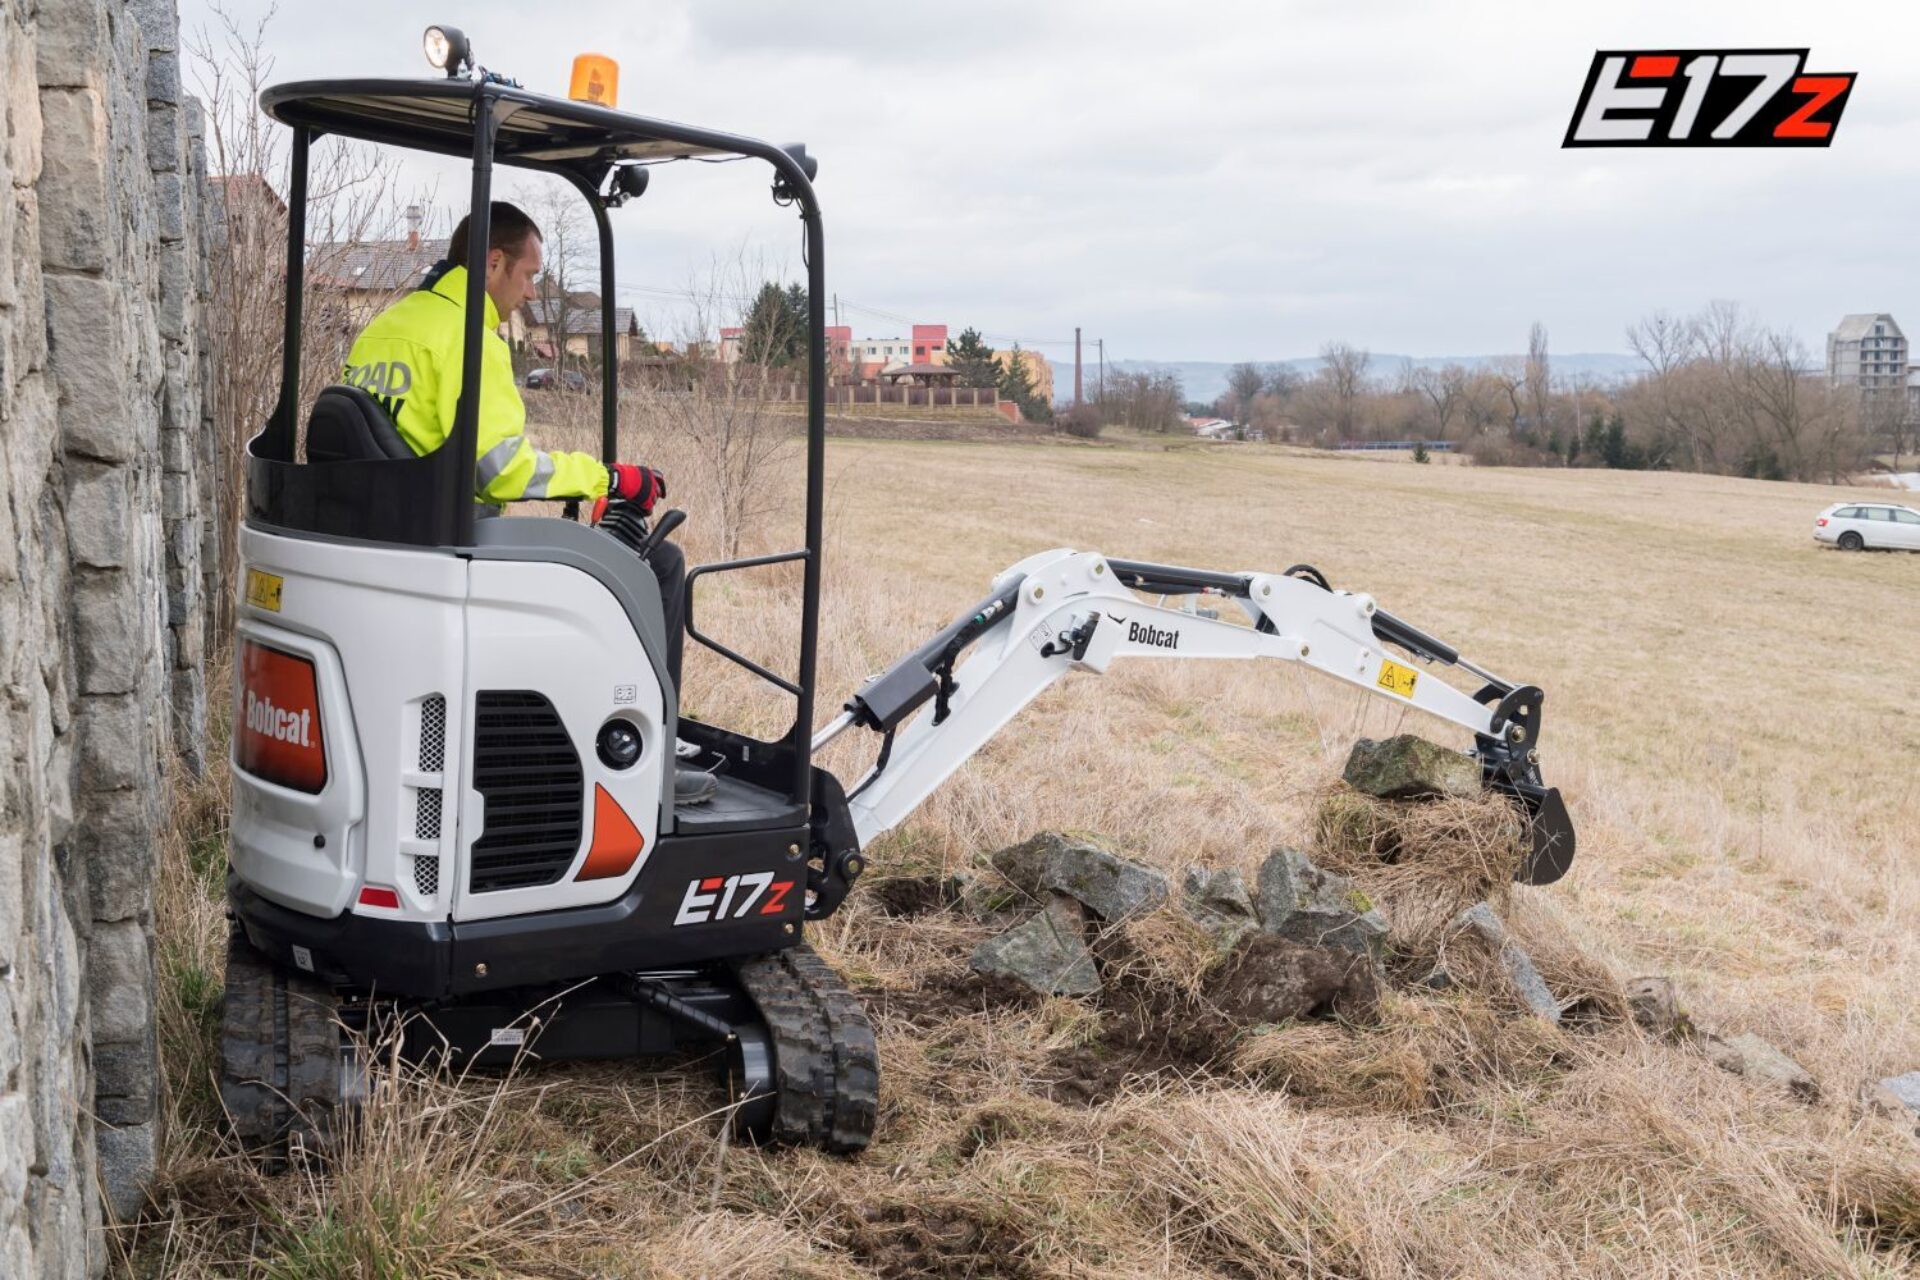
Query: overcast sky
{"points": [[1213, 181]]}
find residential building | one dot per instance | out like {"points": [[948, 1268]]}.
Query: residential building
{"points": [[1039, 370], [361, 277], [551, 329], [840, 346], [1868, 352]]}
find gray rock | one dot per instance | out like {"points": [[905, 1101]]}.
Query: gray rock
{"points": [[1218, 901], [126, 1162], [1905, 1089], [1407, 768], [1048, 952], [1897, 1098], [1750, 1056], [1024, 864], [1112, 887], [1480, 919], [120, 983], [1272, 980], [1306, 904], [1656, 1008]]}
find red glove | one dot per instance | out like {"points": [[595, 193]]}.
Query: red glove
{"points": [[642, 486]]}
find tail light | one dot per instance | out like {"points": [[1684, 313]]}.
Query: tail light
{"points": [[1821, 522]]}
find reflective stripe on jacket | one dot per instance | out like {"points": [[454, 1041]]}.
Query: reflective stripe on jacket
{"points": [[409, 360]]}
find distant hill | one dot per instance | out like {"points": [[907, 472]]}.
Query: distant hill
{"points": [[1207, 379]]}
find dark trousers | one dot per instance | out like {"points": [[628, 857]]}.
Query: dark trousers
{"points": [[670, 567]]}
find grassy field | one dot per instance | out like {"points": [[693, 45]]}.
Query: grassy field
{"points": [[1729, 711]]}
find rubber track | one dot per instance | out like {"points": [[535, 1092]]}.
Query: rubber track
{"points": [[826, 1064], [279, 1051]]}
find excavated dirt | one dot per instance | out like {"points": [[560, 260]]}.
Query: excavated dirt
{"points": [[906, 896], [941, 998], [936, 1240], [1149, 1027]]}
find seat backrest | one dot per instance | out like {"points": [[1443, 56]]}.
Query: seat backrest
{"points": [[348, 425]]}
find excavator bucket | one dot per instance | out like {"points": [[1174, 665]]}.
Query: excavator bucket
{"points": [[1549, 827]]}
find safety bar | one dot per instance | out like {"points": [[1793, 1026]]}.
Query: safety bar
{"points": [[722, 566]]}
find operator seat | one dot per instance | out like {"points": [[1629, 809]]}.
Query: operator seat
{"points": [[348, 425]]}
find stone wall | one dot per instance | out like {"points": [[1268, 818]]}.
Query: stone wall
{"points": [[104, 460]]}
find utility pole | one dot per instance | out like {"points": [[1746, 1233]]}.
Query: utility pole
{"points": [[836, 311], [1076, 366], [1101, 345]]}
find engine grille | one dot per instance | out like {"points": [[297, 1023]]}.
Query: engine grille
{"points": [[526, 770]]}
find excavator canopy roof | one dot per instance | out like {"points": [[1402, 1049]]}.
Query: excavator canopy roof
{"points": [[536, 131]]}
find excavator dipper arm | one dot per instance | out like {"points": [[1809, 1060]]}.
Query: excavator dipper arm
{"points": [[1065, 610]]}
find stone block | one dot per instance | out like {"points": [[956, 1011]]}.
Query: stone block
{"points": [[1481, 920], [1218, 901], [100, 528], [163, 139], [26, 344], [159, 23], [116, 744], [128, 1073], [176, 296], [1408, 768], [1047, 952], [118, 834], [1112, 887], [22, 99], [105, 634], [120, 983], [163, 78], [76, 207], [127, 1159], [91, 366], [176, 496], [1023, 864], [16, 1149], [1655, 1006], [1750, 1056], [1304, 903], [170, 211], [71, 42]]}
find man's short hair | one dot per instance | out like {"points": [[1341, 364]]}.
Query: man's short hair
{"points": [[507, 229]]}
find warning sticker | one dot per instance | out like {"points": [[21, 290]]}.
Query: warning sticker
{"points": [[263, 590], [1395, 678]]}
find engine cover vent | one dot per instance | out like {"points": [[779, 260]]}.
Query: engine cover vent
{"points": [[526, 770]]}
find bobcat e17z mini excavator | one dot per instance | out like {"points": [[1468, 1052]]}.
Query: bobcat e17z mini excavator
{"points": [[455, 737]]}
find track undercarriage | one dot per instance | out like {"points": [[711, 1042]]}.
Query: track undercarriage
{"points": [[798, 1053]]}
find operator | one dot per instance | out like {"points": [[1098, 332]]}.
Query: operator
{"points": [[409, 359]]}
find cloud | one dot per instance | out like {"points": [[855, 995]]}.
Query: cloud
{"points": [[1227, 180]]}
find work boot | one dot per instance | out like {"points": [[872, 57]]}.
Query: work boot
{"points": [[693, 786]]}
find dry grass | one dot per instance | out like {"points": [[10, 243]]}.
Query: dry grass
{"points": [[1726, 712]]}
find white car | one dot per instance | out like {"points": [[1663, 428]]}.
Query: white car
{"points": [[1856, 526]]}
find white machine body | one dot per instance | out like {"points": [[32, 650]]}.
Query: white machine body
{"points": [[361, 667]]}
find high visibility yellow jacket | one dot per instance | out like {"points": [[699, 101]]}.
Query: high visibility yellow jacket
{"points": [[409, 360]]}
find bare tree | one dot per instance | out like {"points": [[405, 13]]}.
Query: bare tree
{"points": [[350, 199], [1244, 384], [570, 256], [1539, 379], [723, 415], [1343, 372], [1508, 377], [1664, 344], [1444, 389]]}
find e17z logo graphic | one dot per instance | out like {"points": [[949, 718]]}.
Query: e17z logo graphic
{"points": [[1707, 98], [713, 898]]}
